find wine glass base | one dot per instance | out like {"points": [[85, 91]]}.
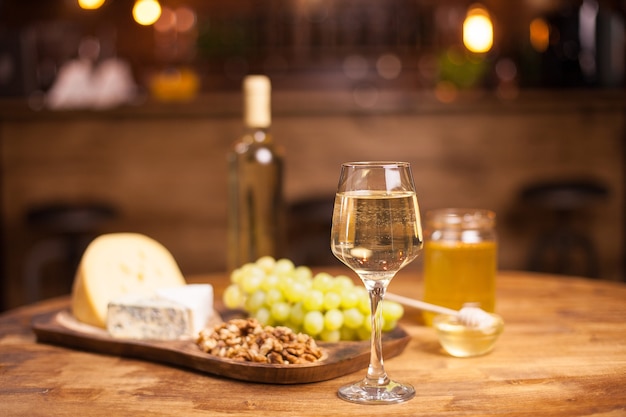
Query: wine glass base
{"points": [[365, 393]]}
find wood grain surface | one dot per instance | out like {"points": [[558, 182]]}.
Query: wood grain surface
{"points": [[562, 353]]}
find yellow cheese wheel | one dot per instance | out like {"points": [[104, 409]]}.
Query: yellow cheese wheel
{"points": [[116, 264]]}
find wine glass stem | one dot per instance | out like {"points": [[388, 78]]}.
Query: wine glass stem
{"points": [[376, 374]]}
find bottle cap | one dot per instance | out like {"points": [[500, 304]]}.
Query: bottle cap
{"points": [[257, 91]]}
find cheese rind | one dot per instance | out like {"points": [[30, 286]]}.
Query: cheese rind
{"points": [[116, 264], [137, 317]]}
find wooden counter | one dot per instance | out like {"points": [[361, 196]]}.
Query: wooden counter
{"points": [[562, 353]]}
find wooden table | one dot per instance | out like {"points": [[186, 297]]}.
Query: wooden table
{"points": [[563, 353]]}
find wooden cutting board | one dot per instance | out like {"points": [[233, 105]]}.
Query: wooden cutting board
{"points": [[61, 328]]}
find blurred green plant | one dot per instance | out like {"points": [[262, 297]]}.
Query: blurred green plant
{"points": [[463, 69]]}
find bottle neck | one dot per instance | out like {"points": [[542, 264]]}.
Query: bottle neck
{"points": [[257, 118], [257, 121], [257, 114]]}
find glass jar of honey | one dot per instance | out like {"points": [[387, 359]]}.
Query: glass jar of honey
{"points": [[460, 258]]}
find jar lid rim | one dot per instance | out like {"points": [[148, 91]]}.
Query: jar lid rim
{"points": [[461, 218]]}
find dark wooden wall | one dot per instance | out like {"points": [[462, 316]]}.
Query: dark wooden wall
{"points": [[163, 167]]}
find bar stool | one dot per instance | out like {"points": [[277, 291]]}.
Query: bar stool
{"points": [[309, 223], [67, 229], [562, 248]]}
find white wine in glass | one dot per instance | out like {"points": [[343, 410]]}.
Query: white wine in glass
{"points": [[376, 231]]}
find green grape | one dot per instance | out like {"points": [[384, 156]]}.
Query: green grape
{"points": [[389, 325], [392, 311], [283, 267], [353, 318], [270, 281], [323, 281], [303, 273], [285, 282], [255, 301], [274, 295], [349, 298], [296, 316], [264, 316], [266, 263], [362, 333], [363, 303], [333, 319], [342, 282], [251, 268], [360, 291], [233, 297], [236, 276], [330, 335], [280, 312], [313, 323], [295, 291], [331, 300], [367, 323], [313, 300], [251, 280], [302, 279]]}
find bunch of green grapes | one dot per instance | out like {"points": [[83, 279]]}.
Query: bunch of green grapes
{"points": [[326, 307]]}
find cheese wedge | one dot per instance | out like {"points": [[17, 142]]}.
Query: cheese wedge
{"points": [[172, 313], [116, 264], [148, 318]]}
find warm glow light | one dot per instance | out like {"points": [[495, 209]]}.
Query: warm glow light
{"points": [[167, 20], [539, 34], [181, 20], [185, 19], [146, 12], [446, 92], [90, 4], [478, 30]]}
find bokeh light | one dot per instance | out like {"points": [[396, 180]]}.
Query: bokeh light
{"points": [[185, 19], [389, 66], [506, 70], [539, 34], [167, 20], [478, 30], [146, 12], [90, 4]]}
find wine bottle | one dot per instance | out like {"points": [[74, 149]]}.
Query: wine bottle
{"points": [[256, 215]]}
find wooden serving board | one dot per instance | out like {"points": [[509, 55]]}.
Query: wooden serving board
{"points": [[61, 328]]}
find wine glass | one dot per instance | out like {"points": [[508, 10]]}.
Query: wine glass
{"points": [[376, 231]]}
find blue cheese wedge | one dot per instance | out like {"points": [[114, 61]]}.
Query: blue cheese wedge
{"points": [[139, 317], [169, 314]]}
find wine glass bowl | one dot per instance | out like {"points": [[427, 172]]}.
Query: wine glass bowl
{"points": [[376, 231]]}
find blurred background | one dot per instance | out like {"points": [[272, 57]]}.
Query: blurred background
{"points": [[116, 115]]}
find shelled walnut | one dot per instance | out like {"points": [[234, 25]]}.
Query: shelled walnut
{"points": [[248, 340]]}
